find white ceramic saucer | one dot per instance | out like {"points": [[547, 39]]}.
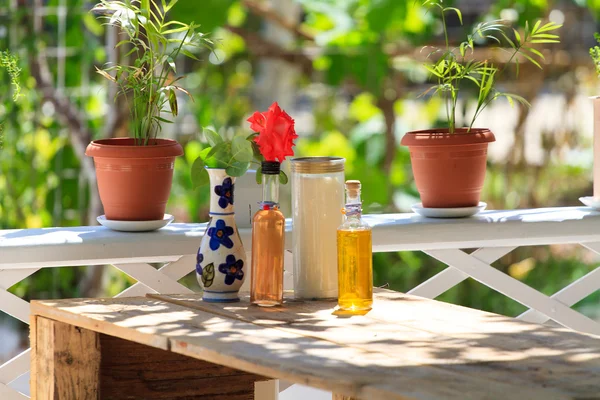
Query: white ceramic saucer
{"points": [[591, 201], [458, 212], [135, 226]]}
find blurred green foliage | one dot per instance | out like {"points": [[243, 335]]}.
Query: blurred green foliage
{"points": [[361, 69]]}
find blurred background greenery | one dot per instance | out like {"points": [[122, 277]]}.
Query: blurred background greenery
{"points": [[348, 71]]}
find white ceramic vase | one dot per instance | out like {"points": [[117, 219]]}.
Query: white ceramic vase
{"points": [[221, 261]]}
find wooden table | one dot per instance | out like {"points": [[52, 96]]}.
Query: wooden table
{"points": [[177, 347]]}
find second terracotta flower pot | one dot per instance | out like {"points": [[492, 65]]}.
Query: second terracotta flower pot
{"points": [[134, 181], [449, 169]]}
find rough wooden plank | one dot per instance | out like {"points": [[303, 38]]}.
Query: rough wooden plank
{"points": [[281, 354], [131, 371], [33, 345], [525, 354], [67, 361], [75, 309], [342, 397]]}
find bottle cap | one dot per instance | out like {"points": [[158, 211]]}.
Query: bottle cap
{"points": [[353, 188], [270, 167]]}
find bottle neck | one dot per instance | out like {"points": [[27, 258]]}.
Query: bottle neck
{"points": [[270, 190], [353, 206], [353, 211]]}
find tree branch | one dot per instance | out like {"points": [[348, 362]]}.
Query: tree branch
{"points": [[269, 14], [263, 48]]}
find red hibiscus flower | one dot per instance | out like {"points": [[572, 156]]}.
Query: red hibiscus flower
{"points": [[276, 133]]}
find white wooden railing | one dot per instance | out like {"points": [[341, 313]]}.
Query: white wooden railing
{"points": [[492, 233]]}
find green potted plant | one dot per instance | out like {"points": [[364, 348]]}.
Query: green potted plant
{"points": [[449, 164], [8, 62], [135, 174]]}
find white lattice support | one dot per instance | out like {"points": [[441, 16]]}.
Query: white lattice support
{"points": [[516, 290], [14, 306], [450, 277], [174, 270], [570, 295], [15, 367], [152, 278], [9, 303], [7, 393], [9, 277]]}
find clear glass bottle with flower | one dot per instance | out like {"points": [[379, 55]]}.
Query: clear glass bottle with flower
{"points": [[273, 142]]}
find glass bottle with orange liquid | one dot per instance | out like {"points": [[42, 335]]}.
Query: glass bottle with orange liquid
{"points": [[268, 235], [355, 255]]}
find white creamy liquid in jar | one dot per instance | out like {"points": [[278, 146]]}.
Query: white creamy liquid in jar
{"points": [[317, 201]]}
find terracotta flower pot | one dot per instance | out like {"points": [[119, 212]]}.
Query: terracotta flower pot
{"points": [[134, 181], [449, 169]]}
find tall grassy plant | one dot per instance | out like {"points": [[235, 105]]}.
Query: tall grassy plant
{"points": [[149, 82], [455, 65]]}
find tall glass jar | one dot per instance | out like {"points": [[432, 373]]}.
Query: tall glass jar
{"points": [[317, 198]]}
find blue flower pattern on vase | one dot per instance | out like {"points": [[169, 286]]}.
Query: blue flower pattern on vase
{"points": [[232, 269], [199, 260], [220, 235], [225, 193]]}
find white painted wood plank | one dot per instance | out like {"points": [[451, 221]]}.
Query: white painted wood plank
{"points": [[152, 278], [15, 367], [14, 306], [9, 277], [399, 232], [450, 277], [569, 295], [175, 270], [391, 232], [7, 393], [516, 290]]}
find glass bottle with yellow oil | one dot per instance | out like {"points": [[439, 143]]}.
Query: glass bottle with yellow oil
{"points": [[355, 255]]}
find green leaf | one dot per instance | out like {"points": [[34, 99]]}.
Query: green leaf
{"points": [[214, 149], [221, 158], [173, 102], [259, 176], [161, 119], [517, 36], [550, 26], [544, 41], [212, 137], [189, 54], [241, 149], [531, 60], [171, 63], [237, 168], [199, 174], [457, 11], [256, 151], [545, 36], [537, 53], [205, 153], [283, 178]]}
